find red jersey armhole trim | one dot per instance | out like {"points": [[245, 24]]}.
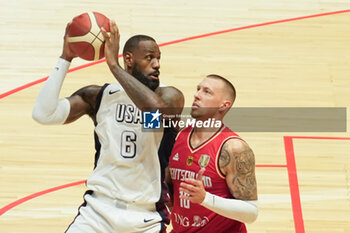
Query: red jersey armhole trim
{"points": [[218, 171]]}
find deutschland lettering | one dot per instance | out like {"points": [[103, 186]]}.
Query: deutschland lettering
{"points": [[180, 174]]}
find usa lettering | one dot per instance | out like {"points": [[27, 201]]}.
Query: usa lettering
{"points": [[128, 113]]}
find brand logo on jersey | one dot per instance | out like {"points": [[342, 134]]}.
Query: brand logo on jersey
{"points": [[186, 222], [189, 160], [176, 157], [112, 92], [199, 222], [204, 160], [147, 220], [152, 120]]}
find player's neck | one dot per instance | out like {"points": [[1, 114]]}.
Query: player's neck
{"points": [[201, 134]]}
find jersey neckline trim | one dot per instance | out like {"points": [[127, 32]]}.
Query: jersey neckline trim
{"points": [[203, 143]]}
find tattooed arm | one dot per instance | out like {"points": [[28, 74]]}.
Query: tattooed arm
{"points": [[237, 163]]}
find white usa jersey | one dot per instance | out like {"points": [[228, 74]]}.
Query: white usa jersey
{"points": [[127, 166]]}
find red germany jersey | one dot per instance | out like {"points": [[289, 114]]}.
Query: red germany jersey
{"points": [[185, 162]]}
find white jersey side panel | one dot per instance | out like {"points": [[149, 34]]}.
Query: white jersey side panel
{"points": [[128, 166]]}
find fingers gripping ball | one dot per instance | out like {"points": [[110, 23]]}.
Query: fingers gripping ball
{"points": [[85, 37]]}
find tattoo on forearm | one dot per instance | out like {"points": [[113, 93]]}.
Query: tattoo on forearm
{"points": [[244, 182]]}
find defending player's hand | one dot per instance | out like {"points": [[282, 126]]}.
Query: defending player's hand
{"points": [[67, 53], [111, 44], [193, 189]]}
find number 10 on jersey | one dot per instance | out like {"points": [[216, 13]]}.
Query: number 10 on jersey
{"points": [[183, 202]]}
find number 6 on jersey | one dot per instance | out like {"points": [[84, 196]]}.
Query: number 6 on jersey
{"points": [[128, 146]]}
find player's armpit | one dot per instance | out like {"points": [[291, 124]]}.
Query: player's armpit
{"points": [[83, 102], [238, 163]]}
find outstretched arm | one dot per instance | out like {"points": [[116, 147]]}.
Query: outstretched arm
{"points": [[49, 109], [143, 97]]}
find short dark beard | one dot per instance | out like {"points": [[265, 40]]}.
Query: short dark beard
{"points": [[151, 84]]}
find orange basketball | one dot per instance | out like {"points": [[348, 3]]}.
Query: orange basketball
{"points": [[85, 37]]}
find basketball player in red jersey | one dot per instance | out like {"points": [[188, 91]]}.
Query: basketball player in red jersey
{"points": [[212, 170]]}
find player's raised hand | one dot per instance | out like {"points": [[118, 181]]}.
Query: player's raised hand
{"points": [[67, 53], [111, 44], [193, 188]]}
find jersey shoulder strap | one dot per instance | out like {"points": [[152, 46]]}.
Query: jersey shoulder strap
{"points": [[99, 97]]}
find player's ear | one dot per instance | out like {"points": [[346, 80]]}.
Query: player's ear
{"points": [[225, 106], [128, 59]]}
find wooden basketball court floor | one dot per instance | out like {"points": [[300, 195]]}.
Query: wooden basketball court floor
{"points": [[303, 177]]}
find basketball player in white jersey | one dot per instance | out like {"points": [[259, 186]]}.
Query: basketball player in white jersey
{"points": [[125, 188], [212, 169]]}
